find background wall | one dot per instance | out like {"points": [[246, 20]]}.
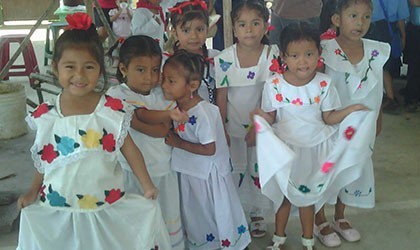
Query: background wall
{"points": [[13, 10]]}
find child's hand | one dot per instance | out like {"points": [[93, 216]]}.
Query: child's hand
{"points": [[151, 193], [261, 113], [357, 107], [178, 115], [26, 199], [250, 137], [172, 139]]}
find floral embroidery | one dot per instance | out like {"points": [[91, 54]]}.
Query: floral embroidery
{"points": [[48, 153], [113, 195], [358, 193], [251, 75], [42, 109], [225, 81], [276, 67], [373, 55], [225, 243], [297, 102], [108, 142], [256, 180], [181, 127], [88, 201], [304, 189], [224, 65], [192, 120], [241, 229], [209, 237], [327, 166], [279, 97], [55, 199], [90, 138], [65, 145], [317, 99], [42, 193], [114, 103], [349, 133], [241, 179], [339, 52], [276, 81]]}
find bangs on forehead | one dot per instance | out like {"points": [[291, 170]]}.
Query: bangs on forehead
{"points": [[192, 15]]}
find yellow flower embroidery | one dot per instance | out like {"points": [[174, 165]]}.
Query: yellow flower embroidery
{"points": [[88, 202], [91, 138]]}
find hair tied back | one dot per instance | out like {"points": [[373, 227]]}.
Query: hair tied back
{"points": [[179, 8], [78, 21]]}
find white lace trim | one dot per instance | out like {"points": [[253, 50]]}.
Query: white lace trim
{"points": [[129, 111]]}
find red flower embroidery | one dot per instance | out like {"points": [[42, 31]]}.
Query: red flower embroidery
{"points": [[113, 195], [181, 127], [317, 99], [78, 21], [327, 167], [349, 132], [48, 153], [337, 51], [108, 142], [41, 191], [323, 84], [257, 181], [113, 103], [276, 67], [42, 109], [279, 97], [225, 243]]}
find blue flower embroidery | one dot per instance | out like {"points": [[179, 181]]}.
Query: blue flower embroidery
{"points": [[192, 120], [224, 65], [66, 145], [251, 75], [209, 237], [56, 200], [241, 229]]}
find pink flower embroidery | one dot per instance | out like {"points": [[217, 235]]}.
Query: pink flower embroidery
{"points": [[225, 243], [349, 132], [297, 102], [327, 167], [337, 51]]}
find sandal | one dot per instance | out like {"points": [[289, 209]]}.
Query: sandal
{"points": [[258, 228], [309, 244], [277, 242], [350, 234], [328, 240]]}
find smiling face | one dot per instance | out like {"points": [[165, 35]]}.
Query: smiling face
{"points": [[78, 72], [353, 21], [192, 35], [249, 28], [142, 72], [301, 58]]}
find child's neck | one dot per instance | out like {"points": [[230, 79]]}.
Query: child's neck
{"points": [[71, 105], [199, 51], [249, 56], [353, 49], [293, 80], [186, 103]]}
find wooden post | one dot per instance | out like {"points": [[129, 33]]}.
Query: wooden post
{"points": [[25, 41], [112, 37], [89, 8], [227, 23]]}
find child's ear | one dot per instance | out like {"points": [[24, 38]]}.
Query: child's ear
{"points": [[123, 69], [335, 19], [194, 85]]}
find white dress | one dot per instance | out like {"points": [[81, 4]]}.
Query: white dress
{"points": [[145, 22], [82, 203], [157, 156], [211, 211], [361, 83], [244, 95], [207, 87], [302, 158]]}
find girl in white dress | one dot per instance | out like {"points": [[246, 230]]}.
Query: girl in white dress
{"points": [[190, 23], [149, 19], [139, 74], [307, 164], [355, 65], [241, 71], [211, 211], [81, 201]]}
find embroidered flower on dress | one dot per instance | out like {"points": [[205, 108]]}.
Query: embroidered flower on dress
{"points": [[225, 243], [339, 52], [241, 229], [65, 145], [256, 180], [48, 153], [375, 53], [209, 237], [192, 120], [297, 102], [114, 103], [275, 81], [349, 133], [90, 138], [108, 142], [327, 166], [317, 99], [323, 84], [55, 199], [88, 201], [42, 193], [180, 128], [113, 195], [41, 109], [224, 65], [251, 75], [279, 97], [304, 189]]}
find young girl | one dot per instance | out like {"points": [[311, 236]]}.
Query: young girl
{"points": [[301, 103], [121, 24], [82, 202], [139, 73], [149, 19], [189, 21], [211, 211], [241, 71], [355, 65]]}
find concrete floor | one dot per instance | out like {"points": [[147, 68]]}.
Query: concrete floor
{"points": [[393, 224]]}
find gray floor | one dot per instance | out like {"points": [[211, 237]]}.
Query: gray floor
{"points": [[393, 224]]}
